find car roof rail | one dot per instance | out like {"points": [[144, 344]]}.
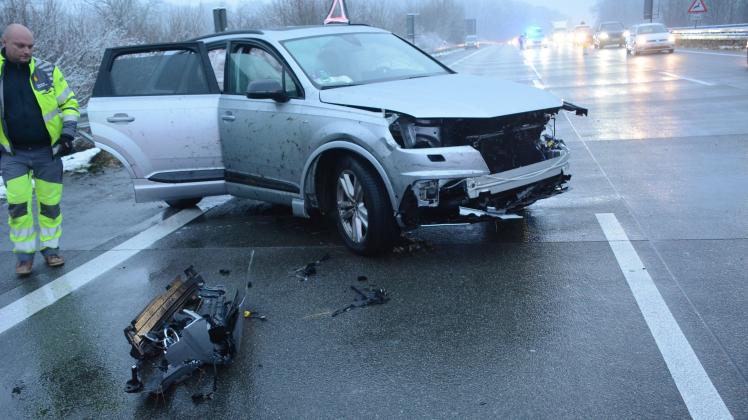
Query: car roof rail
{"points": [[236, 32]]}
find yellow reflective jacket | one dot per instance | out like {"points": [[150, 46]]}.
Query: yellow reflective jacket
{"points": [[55, 98]]}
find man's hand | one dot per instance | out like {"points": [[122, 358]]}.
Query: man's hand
{"points": [[64, 145]]}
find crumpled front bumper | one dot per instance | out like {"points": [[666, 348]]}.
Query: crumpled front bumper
{"points": [[518, 177], [451, 200]]}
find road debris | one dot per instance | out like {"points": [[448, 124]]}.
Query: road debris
{"points": [[303, 273], [362, 278], [188, 326], [224, 272], [18, 388], [255, 315], [407, 245], [369, 296]]}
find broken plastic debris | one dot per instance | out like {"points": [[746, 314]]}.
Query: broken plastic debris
{"points": [[184, 328], [250, 314], [362, 278], [373, 296], [224, 272], [303, 273], [408, 245]]}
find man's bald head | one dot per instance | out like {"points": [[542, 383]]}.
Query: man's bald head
{"points": [[18, 42]]}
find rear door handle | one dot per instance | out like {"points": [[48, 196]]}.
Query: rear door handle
{"points": [[228, 116], [120, 118]]}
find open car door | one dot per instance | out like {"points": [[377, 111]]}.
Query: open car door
{"points": [[155, 108]]}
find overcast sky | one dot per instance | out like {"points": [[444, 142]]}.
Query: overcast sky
{"points": [[576, 10]]}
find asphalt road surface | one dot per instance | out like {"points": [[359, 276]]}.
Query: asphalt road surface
{"points": [[624, 298]]}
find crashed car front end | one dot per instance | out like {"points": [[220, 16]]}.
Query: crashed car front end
{"points": [[470, 169]]}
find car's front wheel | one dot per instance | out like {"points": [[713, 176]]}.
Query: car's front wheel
{"points": [[184, 203], [363, 213]]}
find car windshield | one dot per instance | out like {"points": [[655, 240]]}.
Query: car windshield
{"points": [[651, 29], [356, 59], [613, 26]]}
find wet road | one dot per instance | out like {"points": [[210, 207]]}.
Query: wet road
{"points": [[553, 316]]}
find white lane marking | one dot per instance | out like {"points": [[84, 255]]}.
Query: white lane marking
{"points": [[537, 84], [23, 308], [532, 66], [698, 392], [701, 82], [711, 53], [466, 57]]}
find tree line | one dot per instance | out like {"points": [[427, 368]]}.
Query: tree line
{"points": [[673, 13]]}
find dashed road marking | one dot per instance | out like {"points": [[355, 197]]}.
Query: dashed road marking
{"points": [[21, 309], [697, 390], [701, 82]]}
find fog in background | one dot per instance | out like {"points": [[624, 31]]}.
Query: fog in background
{"points": [[75, 33]]}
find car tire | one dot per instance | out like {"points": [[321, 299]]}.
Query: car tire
{"points": [[362, 210], [183, 203], [670, 51]]}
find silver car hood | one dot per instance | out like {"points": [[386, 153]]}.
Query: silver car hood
{"points": [[445, 96]]}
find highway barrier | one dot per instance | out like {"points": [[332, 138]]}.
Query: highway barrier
{"points": [[717, 36]]}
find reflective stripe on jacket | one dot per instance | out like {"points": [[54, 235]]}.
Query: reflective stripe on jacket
{"points": [[56, 101]]}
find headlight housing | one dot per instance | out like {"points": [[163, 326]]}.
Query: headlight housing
{"points": [[626, 34], [671, 38], [412, 133], [604, 35], [641, 39]]}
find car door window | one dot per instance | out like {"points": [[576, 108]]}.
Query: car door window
{"points": [[250, 63], [172, 72], [217, 58]]}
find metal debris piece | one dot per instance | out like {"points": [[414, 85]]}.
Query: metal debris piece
{"points": [[18, 388], [303, 273], [189, 325], [362, 278], [224, 272], [373, 296], [408, 245]]}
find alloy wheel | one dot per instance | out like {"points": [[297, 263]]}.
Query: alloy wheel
{"points": [[352, 211]]}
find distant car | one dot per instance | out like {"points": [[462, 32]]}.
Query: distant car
{"points": [[609, 33], [582, 35], [648, 37], [559, 35], [534, 37], [342, 120], [471, 41]]}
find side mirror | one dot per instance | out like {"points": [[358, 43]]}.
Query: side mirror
{"points": [[266, 89]]}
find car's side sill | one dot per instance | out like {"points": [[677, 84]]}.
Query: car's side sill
{"points": [[260, 182]]}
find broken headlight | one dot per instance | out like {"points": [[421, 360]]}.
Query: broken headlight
{"points": [[412, 133]]}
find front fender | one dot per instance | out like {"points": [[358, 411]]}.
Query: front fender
{"points": [[361, 152]]}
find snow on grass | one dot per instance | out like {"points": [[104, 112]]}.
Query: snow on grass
{"points": [[77, 162]]}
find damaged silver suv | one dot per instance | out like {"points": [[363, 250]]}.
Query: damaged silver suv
{"points": [[344, 120]]}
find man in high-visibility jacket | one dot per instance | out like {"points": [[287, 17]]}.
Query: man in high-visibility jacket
{"points": [[39, 117]]}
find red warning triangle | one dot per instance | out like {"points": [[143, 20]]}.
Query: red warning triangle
{"points": [[698, 6], [337, 13]]}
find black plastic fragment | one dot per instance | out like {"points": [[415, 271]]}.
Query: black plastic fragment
{"points": [[369, 296], [310, 269], [224, 272]]}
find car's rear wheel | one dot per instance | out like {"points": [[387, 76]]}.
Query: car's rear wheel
{"points": [[363, 213], [670, 51], [184, 203]]}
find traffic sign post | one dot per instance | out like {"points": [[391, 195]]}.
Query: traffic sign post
{"points": [[697, 6], [696, 11]]}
